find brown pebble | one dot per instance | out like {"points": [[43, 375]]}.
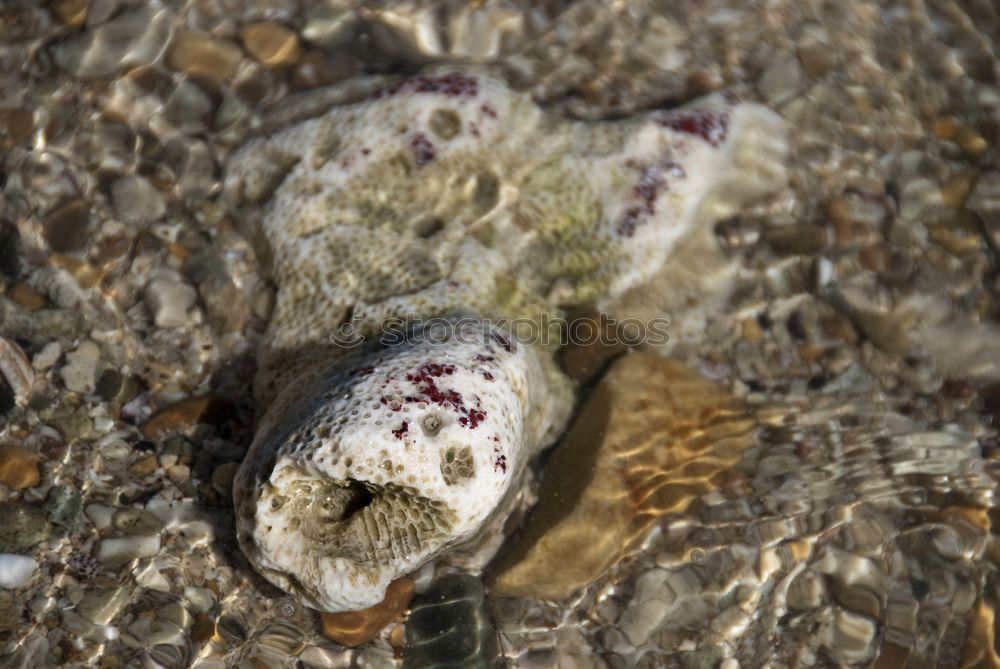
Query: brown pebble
{"points": [[26, 296], [957, 188], [971, 141], [19, 467], [353, 628], [203, 55], [144, 466], [184, 415], [945, 128], [66, 227], [71, 13], [16, 126], [179, 474], [85, 274], [751, 330], [271, 43]]}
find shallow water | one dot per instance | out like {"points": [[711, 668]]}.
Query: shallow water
{"points": [[809, 481]]}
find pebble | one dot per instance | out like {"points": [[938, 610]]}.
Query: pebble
{"points": [[450, 627], [136, 522], [136, 200], [21, 527], [113, 386], [26, 296], [226, 307], [48, 356], [16, 570], [781, 81], [354, 628], [102, 605], [186, 414], [16, 371], [133, 38], [79, 373], [203, 55], [169, 300], [144, 466], [10, 250], [72, 13], [114, 552], [65, 227], [271, 43], [19, 467], [63, 506], [984, 200], [222, 479]]}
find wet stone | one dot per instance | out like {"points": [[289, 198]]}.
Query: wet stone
{"points": [[66, 227], [132, 38], [63, 506], [21, 527], [450, 627], [71, 13], [80, 371], [169, 300], [136, 200], [19, 467], [271, 43], [10, 249], [354, 628], [135, 522], [201, 54], [16, 127], [16, 570], [781, 81], [113, 386]]}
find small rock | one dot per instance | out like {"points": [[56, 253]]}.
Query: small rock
{"points": [[21, 527], [27, 296], [921, 199], [113, 386], [19, 467], [226, 307], [10, 250], [63, 506], [16, 570], [114, 552], [781, 81], [189, 107], [80, 371], [136, 200], [131, 39], [354, 628], [16, 371], [179, 474], [186, 414], [203, 55], [450, 627], [135, 522], [222, 479], [271, 43], [169, 299], [971, 141], [984, 200], [817, 57], [65, 227], [47, 357], [328, 25], [72, 13], [101, 605], [144, 466]]}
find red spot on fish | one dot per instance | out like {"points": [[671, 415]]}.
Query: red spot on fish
{"points": [[487, 376], [423, 150], [488, 110], [401, 430], [500, 464], [365, 151], [652, 182]]}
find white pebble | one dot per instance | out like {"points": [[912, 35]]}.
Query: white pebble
{"points": [[169, 300], [47, 356], [119, 550], [80, 371], [15, 570]]}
